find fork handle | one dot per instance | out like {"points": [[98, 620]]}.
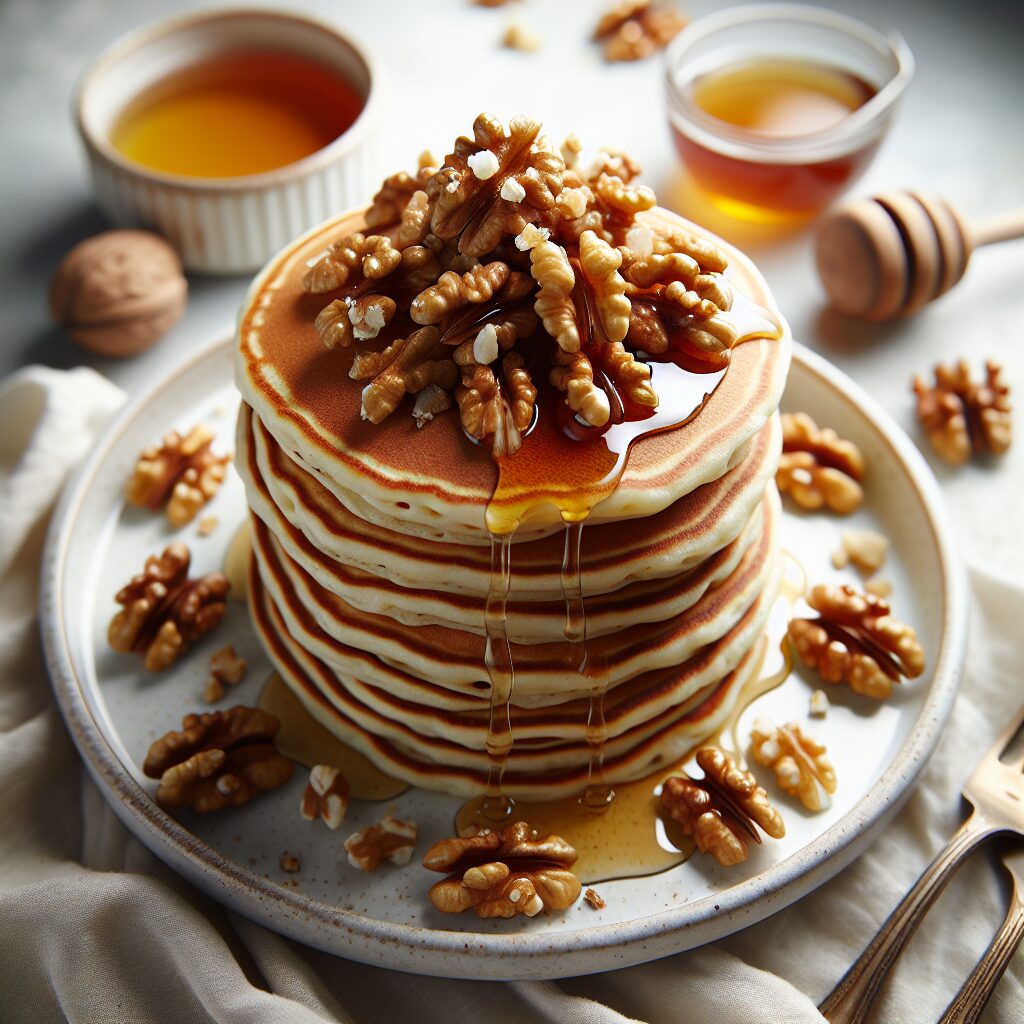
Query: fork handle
{"points": [[968, 1003], [851, 1000]]}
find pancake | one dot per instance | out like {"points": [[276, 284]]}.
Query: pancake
{"points": [[694, 539], [432, 483], [455, 658], [528, 775]]}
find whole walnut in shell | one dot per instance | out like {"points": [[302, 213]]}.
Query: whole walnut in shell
{"points": [[117, 292]]}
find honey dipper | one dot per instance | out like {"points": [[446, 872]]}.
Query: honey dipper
{"points": [[890, 255]]}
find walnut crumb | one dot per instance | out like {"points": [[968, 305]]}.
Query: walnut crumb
{"points": [[520, 36], [592, 899], [226, 667], [207, 525], [391, 839], [879, 588], [289, 862], [818, 704], [866, 549], [326, 796]]}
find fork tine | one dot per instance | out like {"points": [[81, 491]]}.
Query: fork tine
{"points": [[1006, 740]]}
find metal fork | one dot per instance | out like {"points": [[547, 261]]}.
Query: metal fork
{"points": [[996, 792], [968, 1003]]}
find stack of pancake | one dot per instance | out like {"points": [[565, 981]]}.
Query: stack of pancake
{"points": [[372, 564]]}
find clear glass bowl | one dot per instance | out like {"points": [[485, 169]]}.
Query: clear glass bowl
{"points": [[752, 174]]}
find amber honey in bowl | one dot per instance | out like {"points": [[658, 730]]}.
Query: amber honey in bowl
{"points": [[775, 109], [769, 99], [236, 113]]}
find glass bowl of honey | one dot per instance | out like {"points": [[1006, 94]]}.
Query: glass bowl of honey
{"points": [[776, 109], [230, 132]]}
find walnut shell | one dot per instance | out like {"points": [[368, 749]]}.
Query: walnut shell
{"points": [[117, 292]]}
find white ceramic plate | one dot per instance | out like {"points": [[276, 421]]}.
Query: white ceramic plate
{"points": [[114, 710]]}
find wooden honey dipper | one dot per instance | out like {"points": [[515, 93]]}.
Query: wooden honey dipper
{"points": [[890, 255]]}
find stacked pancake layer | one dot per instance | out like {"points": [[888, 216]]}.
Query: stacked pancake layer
{"points": [[371, 568]]}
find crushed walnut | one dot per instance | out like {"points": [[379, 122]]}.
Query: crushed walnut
{"points": [[461, 264], [163, 611], [289, 862], [723, 809], [817, 467], [592, 899], [520, 36], [226, 668], [218, 759], [856, 640], [801, 768], [207, 525], [503, 872], [818, 704], [391, 839], [866, 549], [325, 796], [962, 417], [181, 473], [634, 29]]}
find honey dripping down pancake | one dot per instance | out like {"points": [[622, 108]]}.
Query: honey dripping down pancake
{"points": [[572, 356]]}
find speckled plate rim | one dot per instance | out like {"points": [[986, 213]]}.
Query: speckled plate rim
{"points": [[526, 954]]}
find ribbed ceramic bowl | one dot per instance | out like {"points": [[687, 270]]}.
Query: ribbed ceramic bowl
{"points": [[226, 225]]}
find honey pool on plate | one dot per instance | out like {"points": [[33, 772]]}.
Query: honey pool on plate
{"points": [[769, 100], [236, 113]]}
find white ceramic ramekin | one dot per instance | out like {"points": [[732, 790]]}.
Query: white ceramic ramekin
{"points": [[226, 225]]}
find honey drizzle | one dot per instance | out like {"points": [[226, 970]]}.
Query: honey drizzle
{"points": [[501, 672], [553, 468]]}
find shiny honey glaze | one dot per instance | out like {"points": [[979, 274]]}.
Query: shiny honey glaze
{"points": [[302, 738], [236, 561], [574, 467], [236, 113]]}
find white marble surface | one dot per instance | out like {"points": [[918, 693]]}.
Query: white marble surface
{"points": [[960, 133]]}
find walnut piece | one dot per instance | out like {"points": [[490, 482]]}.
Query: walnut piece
{"points": [[391, 839], [817, 704], [801, 768], [866, 549], [593, 899], [429, 402], [503, 872], [962, 417], [855, 640], [163, 611], [722, 809], [818, 468], [406, 366], [219, 759], [634, 29], [289, 862], [182, 473], [325, 796], [521, 36], [501, 410], [225, 667], [471, 208]]}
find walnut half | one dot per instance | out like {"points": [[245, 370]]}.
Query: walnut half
{"points": [[799, 762], [722, 809], [818, 467], [856, 640], [962, 417], [182, 473], [503, 872], [163, 611], [218, 759]]}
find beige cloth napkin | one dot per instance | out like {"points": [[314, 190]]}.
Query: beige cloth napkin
{"points": [[94, 929]]}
